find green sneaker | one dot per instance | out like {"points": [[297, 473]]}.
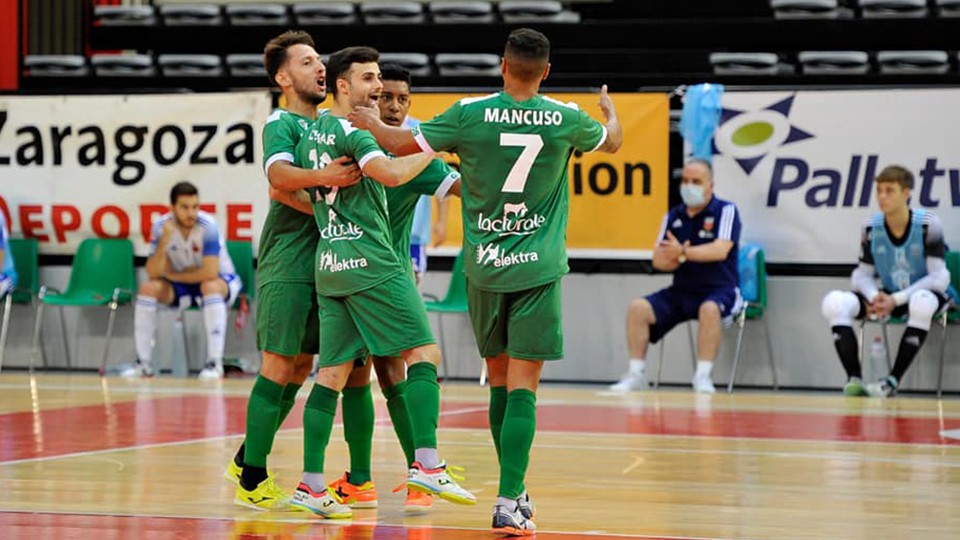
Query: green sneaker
{"points": [[854, 387]]}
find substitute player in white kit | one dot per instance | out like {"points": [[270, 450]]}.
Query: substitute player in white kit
{"points": [[188, 265]]}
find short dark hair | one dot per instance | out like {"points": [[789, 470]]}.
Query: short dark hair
{"points": [[339, 63], [182, 189], [703, 163], [527, 53], [390, 71], [897, 174], [275, 52]]}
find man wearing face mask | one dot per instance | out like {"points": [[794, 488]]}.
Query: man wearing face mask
{"points": [[698, 242]]}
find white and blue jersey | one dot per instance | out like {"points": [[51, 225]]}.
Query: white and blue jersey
{"points": [[187, 253], [900, 262], [8, 272], [719, 220], [421, 228]]}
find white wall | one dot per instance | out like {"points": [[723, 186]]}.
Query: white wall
{"points": [[594, 315]]}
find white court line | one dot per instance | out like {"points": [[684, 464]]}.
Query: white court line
{"points": [[341, 523], [88, 453]]}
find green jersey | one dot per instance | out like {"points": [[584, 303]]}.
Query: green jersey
{"points": [[355, 251], [436, 179], [289, 237], [513, 156]]}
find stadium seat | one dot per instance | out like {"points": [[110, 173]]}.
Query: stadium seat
{"points": [[255, 14], [897, 9], [24, 253], [950, 315], [462, 12], [246, 65], [190, 65], [393, 13], [467, 64], [834, 62], [241, 254], [191, 15], [745, 63], [123, 65], [324, 13], [124, 15], [417, 64], [536, 11], [455, 301], [102, 275], [754, 308], [808, 9], [55, 65], [913, 62], [948, 8]]}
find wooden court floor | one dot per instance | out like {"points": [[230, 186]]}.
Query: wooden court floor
{"points": [[90, 458]]}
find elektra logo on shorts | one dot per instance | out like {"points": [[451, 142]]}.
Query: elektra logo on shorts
{"points": [[492, 254], [513, 222], [329, 262]]}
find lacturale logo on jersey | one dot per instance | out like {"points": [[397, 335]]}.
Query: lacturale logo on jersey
{"points": [[748, 136], [337, 230], [514, 221]]}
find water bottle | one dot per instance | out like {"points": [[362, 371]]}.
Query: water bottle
{"points": [[878, 354]]}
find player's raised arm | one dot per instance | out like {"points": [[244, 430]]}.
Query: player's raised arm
{"points": [[399, 141], [286, 176], [396, 171]]}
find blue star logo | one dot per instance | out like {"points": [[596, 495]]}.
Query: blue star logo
{"points": [[748, 136]]}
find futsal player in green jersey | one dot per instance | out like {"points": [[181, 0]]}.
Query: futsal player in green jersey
{"points": [[438, 179], [287, 324], [514, 146], [368, 304]]}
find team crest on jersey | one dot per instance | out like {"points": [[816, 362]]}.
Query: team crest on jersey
{"points": [[196, 248], [676, 224], [303, 124], [708, 223]]}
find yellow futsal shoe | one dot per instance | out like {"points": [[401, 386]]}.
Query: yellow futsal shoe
{"points": [[233, 472], [438, 482], [266, 496]]}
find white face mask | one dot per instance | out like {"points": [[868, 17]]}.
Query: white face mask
{"points": [[691, 194]]}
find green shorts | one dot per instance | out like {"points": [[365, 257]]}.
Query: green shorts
{"points": [[287, 320], [384, 320], [525, 324]]}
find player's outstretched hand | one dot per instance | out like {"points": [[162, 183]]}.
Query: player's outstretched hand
{"points": [[606, 104], [364, 117], [341, 172]]}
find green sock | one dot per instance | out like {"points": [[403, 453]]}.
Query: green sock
{"points": [[358, 418], [400, 416], [317, 424], [423, 403], [287, 400], [519, 426], [498, 406], [263, 409]]}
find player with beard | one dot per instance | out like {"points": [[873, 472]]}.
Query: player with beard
{"points": [[369, 305], [287, 322]]}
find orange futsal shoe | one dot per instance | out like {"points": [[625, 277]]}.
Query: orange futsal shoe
{"points": [[362, 496]]}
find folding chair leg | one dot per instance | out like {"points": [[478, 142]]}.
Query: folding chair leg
{"points": [[63, 336], [693, 345], [182, 323], [943, 350], [37, 323], [106, 346], [741, 323], [886, 347], [773, 363], [8, 303], [663, 345]]}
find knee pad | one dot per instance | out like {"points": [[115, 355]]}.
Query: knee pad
{"points": [[840, 307], [922, 306]]}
